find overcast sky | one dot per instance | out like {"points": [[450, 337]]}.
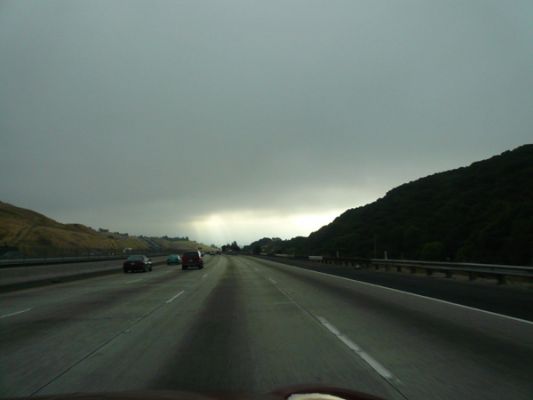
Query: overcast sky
{"points": [[234, 120]]}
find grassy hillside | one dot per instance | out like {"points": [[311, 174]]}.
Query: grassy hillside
{"points": [[479, 213], [32, 234]]}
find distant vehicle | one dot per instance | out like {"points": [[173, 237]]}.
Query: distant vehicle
{"points": [[192, 259], [173, 259], [137, 263]]}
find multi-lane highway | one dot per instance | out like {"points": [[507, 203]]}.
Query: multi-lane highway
{"points": [[247, 324]]}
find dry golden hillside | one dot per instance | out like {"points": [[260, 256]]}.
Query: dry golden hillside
{"points": [[33, 234]]}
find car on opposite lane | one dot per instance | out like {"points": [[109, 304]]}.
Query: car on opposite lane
{"points": [[137, 262]]}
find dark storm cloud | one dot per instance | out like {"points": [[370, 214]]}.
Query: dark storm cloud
{"points": [[149, 116]]}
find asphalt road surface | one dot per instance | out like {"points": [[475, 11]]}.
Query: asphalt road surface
{"points": [[512, 299], [252, 325]]}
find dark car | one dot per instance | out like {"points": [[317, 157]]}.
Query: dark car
{"points": [[192, 259], [137, 263], [173, 259]]}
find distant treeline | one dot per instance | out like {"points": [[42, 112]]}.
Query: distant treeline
{"points": [[481, 213], [179, 238]]}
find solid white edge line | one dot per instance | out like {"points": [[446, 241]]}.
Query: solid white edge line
{"points": [[135, 280], [174, 297], [14, 313], [417, 295], [375, 365]]}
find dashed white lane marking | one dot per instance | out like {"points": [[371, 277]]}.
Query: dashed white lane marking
{"points": [[175, 297], [205, 275], [256, 269], [14, 313], [376, 366], [135, 280]]}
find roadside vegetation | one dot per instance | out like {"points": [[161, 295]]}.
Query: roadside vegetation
{"points": [[480, 213]]}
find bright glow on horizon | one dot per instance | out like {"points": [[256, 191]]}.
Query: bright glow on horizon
{"points": [[312, 222], [248, 226]]}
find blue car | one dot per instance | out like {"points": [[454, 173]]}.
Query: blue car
{"points": [[173, 259]]}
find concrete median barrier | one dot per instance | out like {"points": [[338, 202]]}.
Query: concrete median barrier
{"points": [[16, 278]]}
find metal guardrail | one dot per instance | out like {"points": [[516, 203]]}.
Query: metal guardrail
{"points": [[41, 275], [54, 260], [21, 262], [473, 270]]}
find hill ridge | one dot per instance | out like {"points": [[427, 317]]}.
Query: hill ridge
{"points": [[478, 213], [30, 233]]}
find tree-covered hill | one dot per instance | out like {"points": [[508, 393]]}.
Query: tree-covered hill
{"points": [[479, 213]]}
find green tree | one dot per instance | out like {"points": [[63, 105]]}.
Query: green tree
{"points": [[432, 251]]}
